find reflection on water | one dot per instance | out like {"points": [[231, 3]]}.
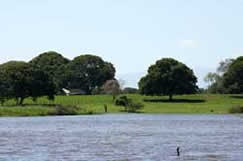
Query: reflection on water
{"points": [[134, 137]]}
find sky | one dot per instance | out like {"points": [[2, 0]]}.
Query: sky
{"points": [[132, 34]]}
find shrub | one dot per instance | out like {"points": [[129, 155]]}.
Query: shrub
{"points": [[135, 106], [128, 104], [67, 110], [122, 101], [236, 109]]}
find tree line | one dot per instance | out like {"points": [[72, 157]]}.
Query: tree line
{"points": [[168, 77], [228, 78], [50, 72]]}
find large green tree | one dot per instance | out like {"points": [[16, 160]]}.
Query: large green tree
{"points": [[233, 78], [53, 64], [5, 87], [168, 77], [20, 80], [88, 72]]}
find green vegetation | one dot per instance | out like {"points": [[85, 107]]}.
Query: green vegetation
{"points": [[233, 78], [236, 109], [54, 64], [129, 104], [28, 88], [228, 79], [88, 72], [77, 105], [50, 73], [43, 110], [20, 80], [168, 77]]}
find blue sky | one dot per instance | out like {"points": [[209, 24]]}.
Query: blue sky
{"points": [[132, 34]]}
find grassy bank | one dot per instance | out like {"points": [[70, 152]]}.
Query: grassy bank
{"points": [[42, 110], [65, 105]]}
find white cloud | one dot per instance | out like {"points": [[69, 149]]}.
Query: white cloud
{"points": [[188, 44]]}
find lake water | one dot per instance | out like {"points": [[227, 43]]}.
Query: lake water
{"points": [[115, 137]]}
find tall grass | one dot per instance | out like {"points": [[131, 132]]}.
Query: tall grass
{"points": [[236, 109]]}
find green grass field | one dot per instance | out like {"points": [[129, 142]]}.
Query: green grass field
{"points": [[184, 104]]}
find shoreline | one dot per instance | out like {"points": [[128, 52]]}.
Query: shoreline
{"points": [[94, 104]]}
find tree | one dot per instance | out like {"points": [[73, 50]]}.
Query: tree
{"points": [[54, 65], [88, 72], [233, 78], [168, 77], [128, 104], [4, 87], [22, 80], [224, 65], [211, 78], [215, 80], [112, 87]]}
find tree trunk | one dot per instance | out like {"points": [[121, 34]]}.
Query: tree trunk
{"points": [[105, 107], [113, 98], [170, 97], [21, 101], [126, 109], [17, 101], [88, 92]]}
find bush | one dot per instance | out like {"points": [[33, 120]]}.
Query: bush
{"points": [[122, 101], [128, 104], [67, 110], [236, 109], [135, 106]]}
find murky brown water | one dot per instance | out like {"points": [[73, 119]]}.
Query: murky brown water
{"points": [[134, 137]]}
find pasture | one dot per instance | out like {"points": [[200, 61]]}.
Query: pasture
{"points": [[94, 104]]}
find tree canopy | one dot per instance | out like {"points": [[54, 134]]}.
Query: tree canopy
{"points": [[168, 77], [5, 87], [215, 80], [233, 78], [88, 72], [53, 64], [20, 80], [224, 65]]}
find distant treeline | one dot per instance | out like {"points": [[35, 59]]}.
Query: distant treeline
{"points": [[50, 73], [228, 78]]}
